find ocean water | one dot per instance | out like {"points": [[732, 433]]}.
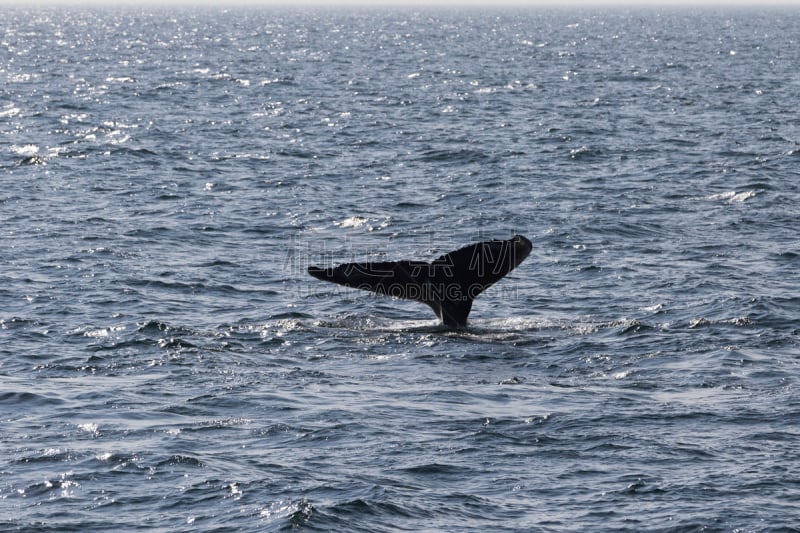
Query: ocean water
{"points": [[166, 363]]}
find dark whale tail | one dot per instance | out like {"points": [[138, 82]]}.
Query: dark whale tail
{"points": [[448, 285]]}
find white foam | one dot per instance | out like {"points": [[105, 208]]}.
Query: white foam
{"points": [[352, 222], [9, 112], [732, 196], [25, 149]]}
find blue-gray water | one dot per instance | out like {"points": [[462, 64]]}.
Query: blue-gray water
{"points": [[166, 364]]}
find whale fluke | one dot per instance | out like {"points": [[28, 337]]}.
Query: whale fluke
{"points": [[448, 284]]}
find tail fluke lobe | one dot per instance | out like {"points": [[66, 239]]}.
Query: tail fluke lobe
{"points": [[480, 265], [388, 278], [469, 271]]}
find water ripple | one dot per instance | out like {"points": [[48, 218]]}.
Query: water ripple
{"points": [[169, 175]]}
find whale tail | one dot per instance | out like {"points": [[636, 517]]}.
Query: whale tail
{"points": [[448, 284]]}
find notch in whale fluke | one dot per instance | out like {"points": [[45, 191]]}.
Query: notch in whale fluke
{"points": [[448, 284]]}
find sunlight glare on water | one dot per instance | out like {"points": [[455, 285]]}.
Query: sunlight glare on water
{"points": [[168, 175]]}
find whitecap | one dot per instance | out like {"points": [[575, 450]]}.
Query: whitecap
{"points": [[25, 149], [623, 374], [282, 509], [720, 196], [575, 153], [742, 196], [90, 428], [117, 137], [732, 196], [100, 332], [9, 112], [351, 222]]}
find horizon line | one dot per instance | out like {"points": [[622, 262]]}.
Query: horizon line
{"points": [[413, 4]]}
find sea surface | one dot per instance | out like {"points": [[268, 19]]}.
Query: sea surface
{"points": [[168, 175]]}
